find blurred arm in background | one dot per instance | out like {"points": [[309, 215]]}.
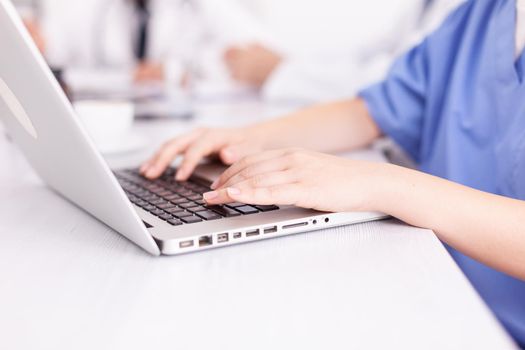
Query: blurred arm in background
{"points": [[30, 13], [36, 33], [252, 64]]}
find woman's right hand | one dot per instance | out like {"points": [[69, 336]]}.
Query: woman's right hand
{"points": [[36, 33], [230, 145]]}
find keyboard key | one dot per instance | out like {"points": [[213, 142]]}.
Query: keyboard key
{"points": [[180, 201], [195, 197], [188, 205], [183, 214], [186, 193], [159, 201], [235, 205], [196, 208], [157, 212], [191, 219], [266, 208], [166, 206], [136, 191], [164, 193], [224, 211], [208, 215], [175, 210], [175, 222], [166, 217], [173, 197], [247, 210], [153, 188]]}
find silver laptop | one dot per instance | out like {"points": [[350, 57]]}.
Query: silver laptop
{"points": [[162, 216]]}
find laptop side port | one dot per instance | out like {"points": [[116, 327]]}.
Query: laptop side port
{"points": [[299, 224], [186, 244], [222, 238], [252, 233], [237, 235], [268, 230], [205, 241]]}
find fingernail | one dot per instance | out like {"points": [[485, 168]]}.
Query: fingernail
{"points": [[210, 195], [180, 175], [229, 154], [214, 184], [151, 172], [144, 168], [234, 191]]}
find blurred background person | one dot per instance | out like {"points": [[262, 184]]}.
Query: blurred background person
{"points": [[138, 38], [286, 50], [319, 50]]}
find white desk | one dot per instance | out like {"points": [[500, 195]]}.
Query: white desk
{"points": [[69, 282]]}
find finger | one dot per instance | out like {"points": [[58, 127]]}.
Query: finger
{"points": [[229, 155], [286, 194], [258, 173], [165, 156], [230, 53], [271, 180], [236, 72], [194, 155], [218, 197], [230, 62], [160, 162], [244, 163], [233, 153]]}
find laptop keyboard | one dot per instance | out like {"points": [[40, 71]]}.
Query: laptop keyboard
{"points": [[179, 203]]}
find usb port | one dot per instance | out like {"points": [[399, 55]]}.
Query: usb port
{"points": [[222, 238], [252, 233], [270, 230], [186, 244], [205, 241], [237, 235]]}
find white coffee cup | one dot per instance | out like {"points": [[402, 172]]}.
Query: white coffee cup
{"points": [[108, 123]]}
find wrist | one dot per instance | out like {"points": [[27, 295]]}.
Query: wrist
{"points": [[387, 184], [261, 135], [402, 191]]}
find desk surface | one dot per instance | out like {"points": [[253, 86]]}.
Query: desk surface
{"points": [[69, 282]]}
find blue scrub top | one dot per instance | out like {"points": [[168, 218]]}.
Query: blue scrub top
{"points": [[456, 104]]}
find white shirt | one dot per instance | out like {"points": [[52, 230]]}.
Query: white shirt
{"points": [[102, 33], [520, 27], [333, 48]]}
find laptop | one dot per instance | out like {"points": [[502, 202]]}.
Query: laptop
{"points": [[161, 216]]}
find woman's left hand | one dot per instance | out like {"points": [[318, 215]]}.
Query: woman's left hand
{"points": [[148, 72], [301, 178]]}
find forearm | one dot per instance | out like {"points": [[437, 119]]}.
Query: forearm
{"points": [[332, 127], [486, 227]]}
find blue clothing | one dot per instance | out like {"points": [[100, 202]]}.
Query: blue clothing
{"points": [[456, 104]]}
